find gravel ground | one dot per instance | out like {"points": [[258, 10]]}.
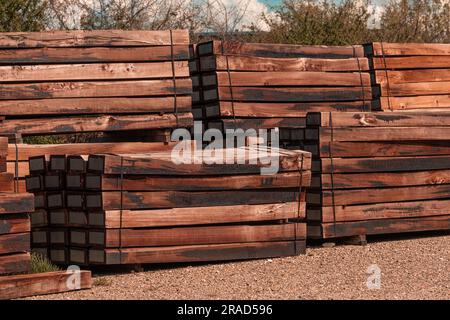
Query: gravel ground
{"points": [[411, 269]]}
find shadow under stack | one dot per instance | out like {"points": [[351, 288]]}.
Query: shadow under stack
{"points": [[264, 86], [378, 173], [140, 208]]}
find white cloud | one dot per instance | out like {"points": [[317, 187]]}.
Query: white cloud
{"points": [[241, 14], [378, 11], [254, 12]]}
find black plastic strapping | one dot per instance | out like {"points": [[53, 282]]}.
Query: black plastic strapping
{"points": [[387, 78], [229, 84], [174, 78], [332, 175]]}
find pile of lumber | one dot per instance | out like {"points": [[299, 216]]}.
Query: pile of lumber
{"points": [[264, 86], [65, 82], [14, 221], [378, 173], [45, 161], [133, 208], [411, 76]]}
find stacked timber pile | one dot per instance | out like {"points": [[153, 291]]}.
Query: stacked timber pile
{"points": [[378, 173], [249, 85], [411, 75], [44, 171], [14, 221], [143, 208], [65, 82]]}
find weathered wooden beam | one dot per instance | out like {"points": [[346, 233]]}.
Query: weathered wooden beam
{"points": [[236, 161], [16, 203], [400, 210], [15, 263], [19, 286], [153, 183], [93, 38], [15, 243], [66, 55], [74, 124], [301, 94], [378, 119], [245, 63], [93, 89], [217, 252], [14, 223], [384, 179], [93, 71], [25, 151], [409, 49], [278, 79], [377, 195], [383, 226], [95, 105], [279, 109], [114, 200], [278, 50], [197, 235], [196, 216]]}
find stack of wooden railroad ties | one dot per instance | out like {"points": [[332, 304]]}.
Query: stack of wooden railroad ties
{"points": [[367, 167], [386, 172], [379, 173], [136, 208], [94, 81], [265, 86], [16, 279], [411, 76], [84, 82]]}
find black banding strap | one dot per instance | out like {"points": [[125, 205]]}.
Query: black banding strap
{"points": [[300, 189], [230, 85], [16, 167], [388, 86], [332, 174], [363, 107], [121, 209], [174, 78]]}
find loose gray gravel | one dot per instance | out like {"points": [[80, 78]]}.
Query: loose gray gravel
{"points": [[411, 269]]}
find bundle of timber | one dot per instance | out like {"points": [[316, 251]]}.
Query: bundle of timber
{"points": [[411, 75], [65, 82], [378, 173], [249, 85], [14, 221], [47, 156], [145, 208]]}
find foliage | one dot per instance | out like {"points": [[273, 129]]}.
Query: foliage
{"points": [[327, 22], [319, 22], [22, 15], [416, 21], [40, 264]]}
